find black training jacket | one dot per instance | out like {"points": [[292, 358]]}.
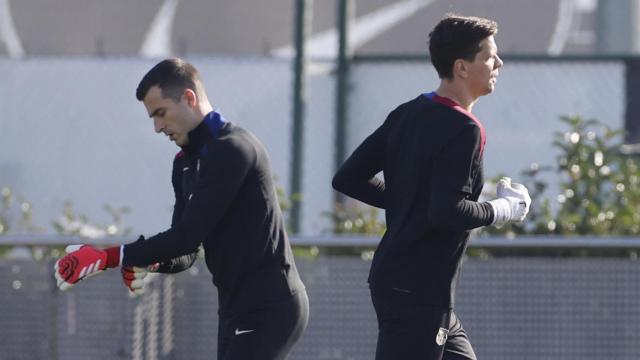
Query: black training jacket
{"points": [[431, 158], [226, 201]]}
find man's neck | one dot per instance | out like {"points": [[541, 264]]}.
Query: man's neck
{"points": [[457, 93], [204, 109], [199, 115]]}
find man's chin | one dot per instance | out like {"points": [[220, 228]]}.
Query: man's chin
{"points": [[490, 89]]}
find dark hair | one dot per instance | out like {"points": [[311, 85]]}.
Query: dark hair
{"points": [[172, 76], [457, 37]]}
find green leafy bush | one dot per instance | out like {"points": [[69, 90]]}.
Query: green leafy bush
{"points": [[599, 186], [352, 218]]}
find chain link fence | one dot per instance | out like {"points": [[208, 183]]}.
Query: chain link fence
{"points": [[73, 130], [513, 307], [77, 124]]}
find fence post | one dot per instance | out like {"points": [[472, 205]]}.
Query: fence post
{"points": [[345, 14], [302, 29]]}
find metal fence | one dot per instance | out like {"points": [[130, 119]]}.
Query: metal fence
{"points": [[514, 306], [78, 149]]}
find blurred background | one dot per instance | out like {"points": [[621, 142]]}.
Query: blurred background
{"points": [[79, 162]]}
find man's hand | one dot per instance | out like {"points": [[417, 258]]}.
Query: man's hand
{"points": [[512, 203], [83, 261], [133, 277], [507, 188]]}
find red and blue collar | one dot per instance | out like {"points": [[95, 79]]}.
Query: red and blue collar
{"points": [[433, 96], [208, 129]]}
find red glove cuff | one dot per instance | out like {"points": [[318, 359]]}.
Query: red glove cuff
{"points": [[113, 256]]}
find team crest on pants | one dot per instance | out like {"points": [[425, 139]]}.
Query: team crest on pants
{"points": [[441, 338]]}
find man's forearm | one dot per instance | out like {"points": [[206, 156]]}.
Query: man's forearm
{"points": [[458, 213], [178, 264], [370, 192]]}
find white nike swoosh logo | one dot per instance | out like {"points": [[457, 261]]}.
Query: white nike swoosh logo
{"points": [[240, 332], [185, 169]]}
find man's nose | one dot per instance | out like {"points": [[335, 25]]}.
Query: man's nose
{"points": [[157, 125]]}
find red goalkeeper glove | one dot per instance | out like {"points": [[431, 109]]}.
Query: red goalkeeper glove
{"points": [[83, 261], [133, 277]]}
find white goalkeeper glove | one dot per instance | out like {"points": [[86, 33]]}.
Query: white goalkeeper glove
{"points": [[512, 204]]}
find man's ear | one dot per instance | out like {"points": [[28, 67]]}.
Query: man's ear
{"points": [[461, 69], [190, 96]]}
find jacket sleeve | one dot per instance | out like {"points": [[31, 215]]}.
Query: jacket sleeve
{"points": [[184, 262], [176, 181], [452, 182], [178, 264], [356, 177], [222, 173], [181, 263]]}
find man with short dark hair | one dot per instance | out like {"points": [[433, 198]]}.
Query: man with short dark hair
{"points": [[429, 150], [225, 201]]}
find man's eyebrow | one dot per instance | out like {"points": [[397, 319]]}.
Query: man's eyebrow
{"points": [[155, 112]]}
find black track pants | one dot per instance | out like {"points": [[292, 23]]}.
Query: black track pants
{"points": [[410, 330], [265, 334]]}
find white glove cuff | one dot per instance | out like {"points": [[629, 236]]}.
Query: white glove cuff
{"points": [[501, 211]]}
